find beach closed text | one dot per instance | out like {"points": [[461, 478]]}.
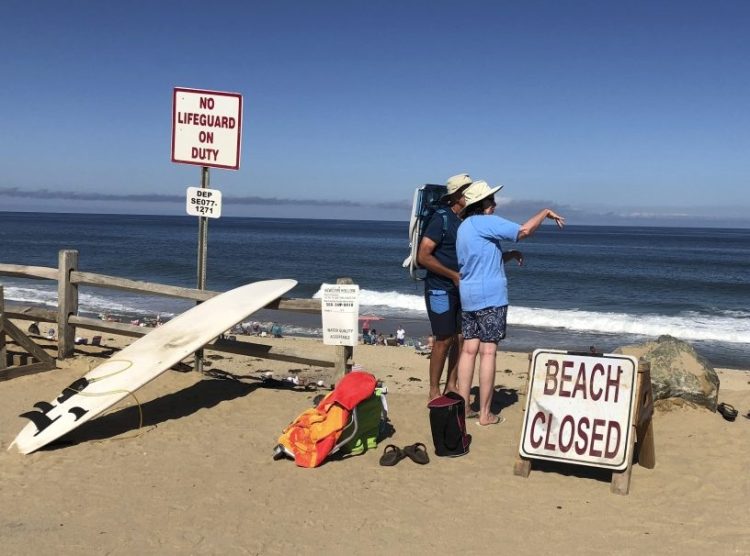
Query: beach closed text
{"points": [[579, 408]]}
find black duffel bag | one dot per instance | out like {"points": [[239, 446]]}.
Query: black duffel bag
{"points": [[448, 423]]}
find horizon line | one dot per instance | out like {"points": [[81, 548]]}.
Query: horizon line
{"points": [[405, 221]]}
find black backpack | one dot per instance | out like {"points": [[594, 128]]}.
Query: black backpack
{"points": [[448, 423], [426, 203]]}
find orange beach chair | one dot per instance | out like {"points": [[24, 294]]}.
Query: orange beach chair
{"points": [[317, 432]]}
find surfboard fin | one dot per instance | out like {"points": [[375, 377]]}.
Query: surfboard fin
{"points": [[45, 407], [39, 419], [75, 387], [78, 412]]}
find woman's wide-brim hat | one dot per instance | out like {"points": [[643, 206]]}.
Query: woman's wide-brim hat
{"points": [[456, 183], [478, 191]]}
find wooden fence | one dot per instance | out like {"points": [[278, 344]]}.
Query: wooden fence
{"points": [[69, 279]]}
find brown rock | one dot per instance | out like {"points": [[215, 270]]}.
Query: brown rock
{"points": [[677, 371]]}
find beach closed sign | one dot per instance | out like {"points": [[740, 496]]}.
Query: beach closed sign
{"points": [[206, 128], [580, 408], [339, 314]]}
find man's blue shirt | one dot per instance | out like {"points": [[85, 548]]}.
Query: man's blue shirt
{"points": [[445, 251]]}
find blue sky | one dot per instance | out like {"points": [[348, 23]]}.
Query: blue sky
{"points": [[613, 112]]}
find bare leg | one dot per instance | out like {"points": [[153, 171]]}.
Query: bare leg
{"points": [[487, 353], [451, 380], [437, 361], [466, 368]]}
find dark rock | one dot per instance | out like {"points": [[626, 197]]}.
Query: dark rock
{"points": [[677, 371]]}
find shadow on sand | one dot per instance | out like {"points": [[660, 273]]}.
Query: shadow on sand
{"points": [[501, 398], [218, 386], [572, 470]]}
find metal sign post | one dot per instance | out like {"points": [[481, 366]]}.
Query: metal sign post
{"points": [[206, 131], [202, 256]]}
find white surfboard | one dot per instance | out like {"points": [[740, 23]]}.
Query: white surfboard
{"points": [[142, 361]]}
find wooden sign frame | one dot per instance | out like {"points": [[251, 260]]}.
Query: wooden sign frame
{"points": [[643, 449]]}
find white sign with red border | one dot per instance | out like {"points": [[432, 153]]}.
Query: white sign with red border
{"points": [[340, 313], [206, 128], [580, 408]]}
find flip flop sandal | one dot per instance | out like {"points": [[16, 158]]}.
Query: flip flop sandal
{"points": [[727, 411], [471, 414], [417, 453], [499, 420], [391, 455]]}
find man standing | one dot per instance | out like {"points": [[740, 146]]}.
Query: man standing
{"points": [[400, 335], [437, 254]]}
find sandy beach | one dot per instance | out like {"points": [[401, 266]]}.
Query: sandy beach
{"points": [[197, 476]]}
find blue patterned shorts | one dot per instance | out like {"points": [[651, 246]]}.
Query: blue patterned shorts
{"points": [[486, 324]]}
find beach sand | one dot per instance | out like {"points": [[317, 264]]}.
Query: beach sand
{"points": [[198, 477]]}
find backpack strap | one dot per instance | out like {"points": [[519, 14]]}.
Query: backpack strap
{"points": [[444, 216]]}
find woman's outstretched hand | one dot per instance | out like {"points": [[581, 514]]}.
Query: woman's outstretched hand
{"points": [[559, 220]]}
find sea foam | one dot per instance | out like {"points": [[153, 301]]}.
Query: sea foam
{"points": [[722, 326]]}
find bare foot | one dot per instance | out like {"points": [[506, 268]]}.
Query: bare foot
{"points": [[434, 393], [490, 420]]}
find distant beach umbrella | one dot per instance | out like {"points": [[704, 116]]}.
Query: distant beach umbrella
{"points": [[370, 317]]}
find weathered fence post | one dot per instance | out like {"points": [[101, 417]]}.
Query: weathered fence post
{"points": [[3, 351], [344, 354], [67, 302]]}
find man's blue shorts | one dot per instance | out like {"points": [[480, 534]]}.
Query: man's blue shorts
{"points": [[486, 324], [444, 311]]}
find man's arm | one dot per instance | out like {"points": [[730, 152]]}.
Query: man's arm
{"points": [[426, 258]]}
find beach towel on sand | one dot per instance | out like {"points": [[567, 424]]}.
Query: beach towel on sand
{"points": [[312, 435]]}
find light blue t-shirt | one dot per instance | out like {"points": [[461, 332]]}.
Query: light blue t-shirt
{"points": [[480, 260]]}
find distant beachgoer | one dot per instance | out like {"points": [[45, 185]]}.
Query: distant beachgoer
{"points": [[381, 339], [484, 287], [276, 330], [400, 335], [424, 349], [437, 254]]}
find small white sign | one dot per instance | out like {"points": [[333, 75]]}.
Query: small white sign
{"points": [[202, 201], [580, 408], [206, 128], [340, 311]]}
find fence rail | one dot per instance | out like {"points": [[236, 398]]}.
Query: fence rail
{"points": [[33, 272], [69, 279]]}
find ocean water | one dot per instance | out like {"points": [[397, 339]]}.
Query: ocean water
{"points": [[582, 286]]}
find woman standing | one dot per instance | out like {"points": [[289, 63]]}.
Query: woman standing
{"points": [[484, 287]]}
